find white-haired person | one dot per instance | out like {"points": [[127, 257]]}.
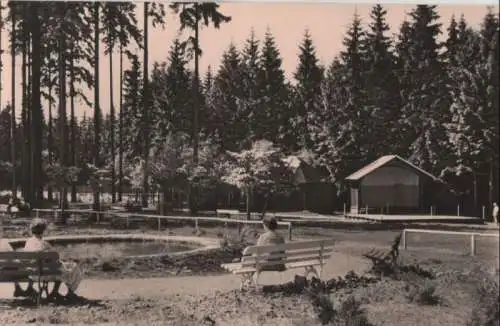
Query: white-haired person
{"points": [[71, 273]]}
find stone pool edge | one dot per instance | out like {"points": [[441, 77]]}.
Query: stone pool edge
{"points": [[206, 243]]}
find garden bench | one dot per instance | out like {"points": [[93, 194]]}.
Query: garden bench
{"points": [[5, 216], [226, 213], [39, 267], [302, 254], [384, 259]]}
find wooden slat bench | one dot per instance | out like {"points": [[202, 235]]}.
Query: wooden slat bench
{"points": [[385, 258], [301, 254], [39, 267], [5, 216], [226, 213]]}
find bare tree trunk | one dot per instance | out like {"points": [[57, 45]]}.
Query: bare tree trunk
{"points": [[1, 50], [24, 121], [112, 126], [36, 107], [50, 138], [145, 102], [73, 125], [120, 130], [196, 89], [31, 170], [248, 202], [193, 193], [97, 113], [63, 159], [13, 108], [491, 191]]}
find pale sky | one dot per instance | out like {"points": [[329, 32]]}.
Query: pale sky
{"points": [[326, 22]]}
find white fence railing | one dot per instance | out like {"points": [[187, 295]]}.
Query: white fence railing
{"points": [[473, 236], [127, 216]]}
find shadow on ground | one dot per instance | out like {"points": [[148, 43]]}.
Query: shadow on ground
{"points": [[77, 301]]}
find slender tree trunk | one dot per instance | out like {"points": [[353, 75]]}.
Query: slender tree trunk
{"points": [[164, 202], [63, 159], [97, 113], [29, 138], [112, 126], [36, 106], [73, 124], [50, 137], [120, 130], [248, 202], [196, 89], [1, 49], [13, 107], [145, 102], [491, 192], [193, 191], [24, 120]]}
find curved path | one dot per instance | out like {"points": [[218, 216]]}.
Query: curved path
{"points": [[338, 265]]}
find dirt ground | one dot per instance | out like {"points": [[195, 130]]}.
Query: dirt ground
{"points": [[194, 290]]}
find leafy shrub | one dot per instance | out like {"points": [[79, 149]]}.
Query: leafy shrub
{"points": [[423, 294], [349, 313], [323, 307], [485, 311]]}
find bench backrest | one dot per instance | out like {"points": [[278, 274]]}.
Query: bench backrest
{"points": [[17, 265], [294, 252]]}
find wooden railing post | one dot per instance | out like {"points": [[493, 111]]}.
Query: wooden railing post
{"points": [[321, 260], [472, 244], [289, 231], [403, 239]]}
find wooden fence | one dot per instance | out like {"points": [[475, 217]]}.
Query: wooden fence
{"points": [[473, 236], [134, 216]]}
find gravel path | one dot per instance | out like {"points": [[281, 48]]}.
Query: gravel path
{"points": [[338, 265]]}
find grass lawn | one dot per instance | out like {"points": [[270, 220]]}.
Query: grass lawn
{"points": [[461, 291]]}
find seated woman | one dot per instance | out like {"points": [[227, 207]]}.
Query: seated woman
{"points": [[271, 237], [71, 273], [18, 291]]}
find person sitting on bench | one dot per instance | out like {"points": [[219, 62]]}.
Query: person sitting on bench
{"points": [[271, 237], [71, 273]]}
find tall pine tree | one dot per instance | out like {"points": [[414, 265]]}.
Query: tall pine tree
{"points": [[341, 142], [252, 91], [132, 101], [425, 100], [227, 106], [309, 76], [383, 102], [273, 113]]}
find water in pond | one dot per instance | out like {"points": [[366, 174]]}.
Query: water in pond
{"points": [[115, 249]]}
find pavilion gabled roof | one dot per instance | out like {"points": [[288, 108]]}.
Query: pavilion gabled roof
{"points": [[384, 160]]}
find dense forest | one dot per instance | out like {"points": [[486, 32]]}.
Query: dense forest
{"points": [[434, 103]]}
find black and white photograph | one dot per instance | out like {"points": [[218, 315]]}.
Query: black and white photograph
{"points": [[274, 163]]}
